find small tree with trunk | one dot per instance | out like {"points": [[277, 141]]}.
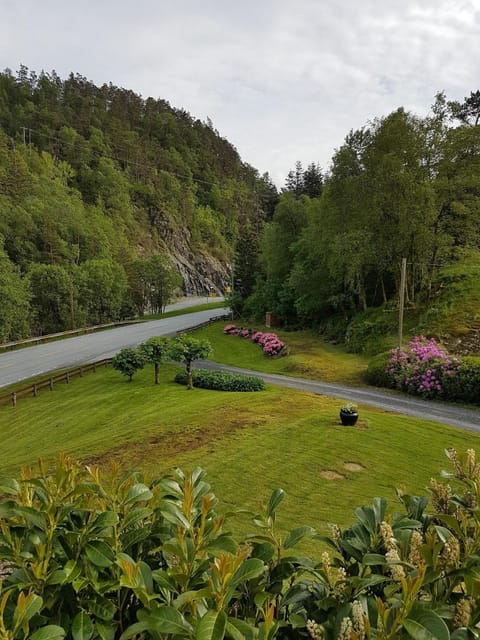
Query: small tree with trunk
{"points": [[187, 349], [128, 361], [156, 351]]}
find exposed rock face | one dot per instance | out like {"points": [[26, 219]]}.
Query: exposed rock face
{"points": [[202, 273]]}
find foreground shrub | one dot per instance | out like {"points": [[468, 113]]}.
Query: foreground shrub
{"points": [[222, 381], [112, 558]]}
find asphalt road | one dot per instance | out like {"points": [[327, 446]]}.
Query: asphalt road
{"points": [[38, 359], [32, 361], [453, 415]]}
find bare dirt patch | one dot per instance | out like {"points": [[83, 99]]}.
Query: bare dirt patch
{"points": [[167, 444], [329, 474], [353, 466]]}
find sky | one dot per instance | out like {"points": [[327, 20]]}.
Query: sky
{"points": [[282, 81]]}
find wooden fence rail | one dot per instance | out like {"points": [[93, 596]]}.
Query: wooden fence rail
{"points": [[32, 389]]}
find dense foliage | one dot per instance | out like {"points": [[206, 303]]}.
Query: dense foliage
{"points": [[108, 201], [222, 380], [101, 557], [401, 187], [426, 369]]}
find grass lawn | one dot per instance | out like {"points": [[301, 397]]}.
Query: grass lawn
{"points": [[309, 356], [249, 443]]}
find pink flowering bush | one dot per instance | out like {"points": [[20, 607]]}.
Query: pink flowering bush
{"points": [[422, 368], [269, 342], [229, 328]]}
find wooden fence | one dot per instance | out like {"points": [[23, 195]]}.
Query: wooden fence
{"points": [[32, 389]]}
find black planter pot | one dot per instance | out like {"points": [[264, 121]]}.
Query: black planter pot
{"points": [[348, 419]]}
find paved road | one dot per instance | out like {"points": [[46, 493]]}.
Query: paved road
{"points": [[453, 415], [33, 361], [26, 363]]}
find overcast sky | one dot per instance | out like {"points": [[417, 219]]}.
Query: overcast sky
{"points": [[282, 81]]}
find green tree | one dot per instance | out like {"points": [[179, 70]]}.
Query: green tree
{"points": [[103, 287], [15, 296], [187, 349], [128, 361], [154, 282], [54, 298], [156, 351]]}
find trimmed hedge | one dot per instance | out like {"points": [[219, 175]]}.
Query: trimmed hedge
{"points": [[222, 381]]}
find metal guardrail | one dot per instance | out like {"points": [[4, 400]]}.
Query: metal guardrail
{"points": [[32, 389], [224, 316], [60, 334]]}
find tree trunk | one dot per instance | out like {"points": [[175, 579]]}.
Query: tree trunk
{"points": [[189, 376]]}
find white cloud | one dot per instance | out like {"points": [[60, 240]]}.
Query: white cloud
{"points": [[281, 80]]}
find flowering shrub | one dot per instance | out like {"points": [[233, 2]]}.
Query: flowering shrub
{"points": [[270, 342], [422, 368], [229, 328]]}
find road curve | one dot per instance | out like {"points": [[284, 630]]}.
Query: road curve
{"points": [[36, 360], [443, 412]]}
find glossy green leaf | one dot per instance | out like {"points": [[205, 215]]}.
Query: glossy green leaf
{"points": [[105, 520], [251, 568], [138, 493], [27, 606], [427, 625], [102, 608], [99, 553], [50, 632], [136, 515], [106, 630], [239, 629], [82, 627], [9, 485], [212, 626], [275, 499], [294, 537]]}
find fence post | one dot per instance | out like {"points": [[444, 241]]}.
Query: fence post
{"points": [[14, 399], [50, 384], [34, 390], [81, 372], [67, 377]]}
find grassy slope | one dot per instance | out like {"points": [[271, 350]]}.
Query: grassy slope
{"points": [[248, 443], [308, 356]]}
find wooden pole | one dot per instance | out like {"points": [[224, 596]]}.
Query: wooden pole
{"points": [[402, 302]]}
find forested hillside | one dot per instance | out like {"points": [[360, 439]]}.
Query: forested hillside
{"points": [[109, 200], [401, 187]]}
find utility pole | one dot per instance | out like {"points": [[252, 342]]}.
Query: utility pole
{"points": [[232, 287], [403, 278]]}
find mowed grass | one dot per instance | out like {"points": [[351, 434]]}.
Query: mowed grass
{"points": [[308, 356], [249, 443]]}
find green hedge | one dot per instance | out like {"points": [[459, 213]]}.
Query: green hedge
{"points": [[221, 381], [465, 386]]}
